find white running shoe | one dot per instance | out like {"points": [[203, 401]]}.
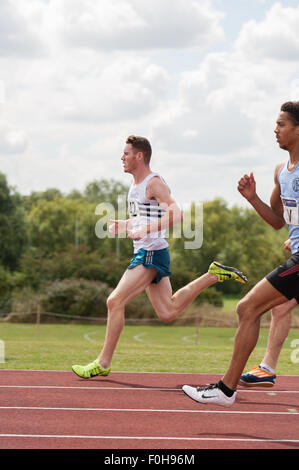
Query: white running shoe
{"points": [[210, 394]]}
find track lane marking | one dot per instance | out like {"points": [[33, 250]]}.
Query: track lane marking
{"points": [[91, 388], [150, 389], [154, 438], [143, 410]]}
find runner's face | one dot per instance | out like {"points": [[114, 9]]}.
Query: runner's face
{"points": [[286, 132], [129, 159]]}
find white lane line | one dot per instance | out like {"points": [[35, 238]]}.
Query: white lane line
{"points": [[190, 338], [138, 338], [154, 438], [145, 410], [143, 389], [149, 389], [88, 338]]}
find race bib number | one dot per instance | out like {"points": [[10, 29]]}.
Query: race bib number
{"points": [[290, 210], [134, 208]]}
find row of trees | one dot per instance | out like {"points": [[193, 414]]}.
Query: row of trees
{"points": [[48, 247]]}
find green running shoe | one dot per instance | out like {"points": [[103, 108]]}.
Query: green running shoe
{"points": [[225, 273], [90, 370]]}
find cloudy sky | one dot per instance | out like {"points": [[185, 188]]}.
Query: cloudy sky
{"points": [[202, 79]]}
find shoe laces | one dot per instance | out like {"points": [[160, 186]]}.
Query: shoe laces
{"points": [[207, 387], [94, 368], [254, 369]]}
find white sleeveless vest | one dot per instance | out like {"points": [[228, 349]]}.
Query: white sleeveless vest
{"points": [[142, 211]]}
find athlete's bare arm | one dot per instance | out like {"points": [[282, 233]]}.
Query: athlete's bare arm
{"points": [[272, 214], [118, 226], [159, 191], [287, 245]]}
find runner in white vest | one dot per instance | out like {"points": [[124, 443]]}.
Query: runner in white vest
{"points": [[143, 211], [152, 211]]}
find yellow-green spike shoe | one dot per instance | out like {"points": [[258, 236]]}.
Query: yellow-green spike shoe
{"points": [[90, 370], [224, 273]]}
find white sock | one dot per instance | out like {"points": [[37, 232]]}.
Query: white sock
{"points": [[267, 368]]}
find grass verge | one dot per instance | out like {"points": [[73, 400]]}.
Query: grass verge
{"points": [[141, 348]]}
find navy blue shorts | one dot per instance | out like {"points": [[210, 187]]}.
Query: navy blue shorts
{"points": [[285, 278], [158, 259]]}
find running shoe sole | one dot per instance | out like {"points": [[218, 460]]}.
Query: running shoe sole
{"points": [[256, 384]]}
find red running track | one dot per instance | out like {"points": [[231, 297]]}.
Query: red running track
{"points": [[130, 410]]}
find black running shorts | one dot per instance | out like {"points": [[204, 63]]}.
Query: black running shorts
{"points": [[285, 278]]}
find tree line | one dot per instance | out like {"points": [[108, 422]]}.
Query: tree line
{"points": [[49, 250]]}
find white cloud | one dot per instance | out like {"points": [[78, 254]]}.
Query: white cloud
{"points": [[213, 112], [276, 37], [18, 38], [97, 71], [230, 102], [12, 141], [124, 89], [131, 24]]}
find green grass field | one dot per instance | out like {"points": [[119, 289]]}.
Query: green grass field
{"points": [[141, 348]]}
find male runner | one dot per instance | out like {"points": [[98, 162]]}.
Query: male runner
{"points": [[280, 285], [152, 210], [264, 374]]}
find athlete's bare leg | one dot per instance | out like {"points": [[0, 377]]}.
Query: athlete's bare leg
{"points": [[167, 306], [278, 332], [133, 282], [262, 298]]}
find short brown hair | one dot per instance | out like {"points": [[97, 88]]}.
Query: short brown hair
{"points": [[142, 145], [292, 107]]}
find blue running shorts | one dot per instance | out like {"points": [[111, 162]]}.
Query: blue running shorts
{"points": [[158, 259]]}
